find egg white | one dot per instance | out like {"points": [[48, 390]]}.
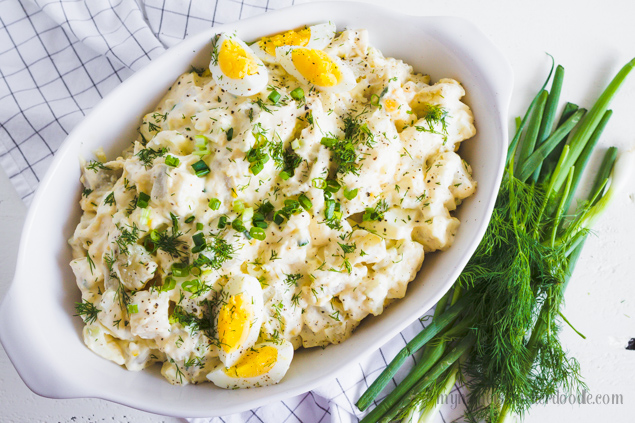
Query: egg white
{"points": [[246, 86], [251, 292], [347, 83], [321, 36], [226, 377]]}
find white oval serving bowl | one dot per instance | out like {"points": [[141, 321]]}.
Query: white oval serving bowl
{"points": [[37, 327]]}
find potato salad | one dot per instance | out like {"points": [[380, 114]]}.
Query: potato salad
{"points": [[270, 202]]}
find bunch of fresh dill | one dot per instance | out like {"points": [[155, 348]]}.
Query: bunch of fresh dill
{"points": [[497, 329]]}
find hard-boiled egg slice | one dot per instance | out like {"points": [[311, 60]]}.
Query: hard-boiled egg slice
{"points": [[235, 67], [315, 36], [264, 364], [315, 67], [239, 317]]}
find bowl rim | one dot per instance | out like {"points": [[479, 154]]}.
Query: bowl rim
{"points": [[66, 387]]}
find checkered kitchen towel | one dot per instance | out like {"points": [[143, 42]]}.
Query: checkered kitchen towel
{"points": [[58, 58]]}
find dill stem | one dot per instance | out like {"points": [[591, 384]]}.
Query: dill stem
{"points": [[563, 156]]}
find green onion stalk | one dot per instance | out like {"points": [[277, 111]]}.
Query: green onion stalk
{"points": [[497, 330]]}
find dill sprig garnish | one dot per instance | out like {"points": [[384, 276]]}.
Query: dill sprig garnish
{"points": [[286, 160], [434, 115], [87, 311], [168, 241], [110, 199], [292, 279], [377, 212], [217, 252], [129, 235], [147, 155], [96, 165], [344, 151]]}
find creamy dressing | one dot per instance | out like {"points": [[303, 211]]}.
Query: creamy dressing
{"points": [[319, 278]]}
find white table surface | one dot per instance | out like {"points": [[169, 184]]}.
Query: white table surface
{"points": [[592, 40]]}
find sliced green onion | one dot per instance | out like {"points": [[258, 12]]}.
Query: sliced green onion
{"points": [[201, 152], [374, 100], [248, 214], [257, 233], [199, 226], [180, 269], [332, 186], [154, 235], [214, 204], [305, 202], [237, 224], [142, 201], [133, 308], [284, 175], [266, 208], [168, 284], [145, 217], [329, 209], [200, 141], [297, 94], [191, 286], [199, 242], [274, 96], [238, 206], [222, 222], [172, 161], [257, 167], [295, 144], [319, 183], [230, 134], [349, 194], [278, 218], [259, 220], [190, 219], [200, 168], [328, 142]]}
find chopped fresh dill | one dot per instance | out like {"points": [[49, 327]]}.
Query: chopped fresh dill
{"points": [[127, 237], [221, 251], [292, 279], [377, 212], [132, 205], [344, 151], [87, 311], [147, 155], [433, 116], [110, 199], [91, 263], [96, 165]]}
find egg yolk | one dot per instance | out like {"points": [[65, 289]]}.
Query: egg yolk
{"points": [[234, 320], [391, 105], [316, 66], [289, 38], [235, 62], [254, 363]]}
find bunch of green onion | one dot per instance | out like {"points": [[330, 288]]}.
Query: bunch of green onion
{"points": [[496, 330]]}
